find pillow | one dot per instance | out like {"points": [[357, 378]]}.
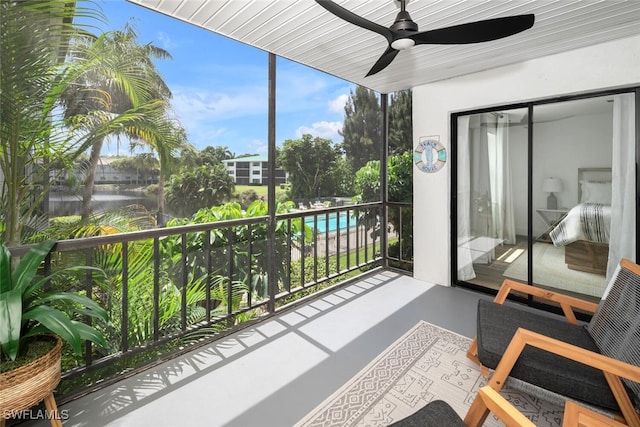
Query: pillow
{"points": [[595, 192]]}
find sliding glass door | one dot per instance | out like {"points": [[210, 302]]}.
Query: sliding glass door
{"points": [[491, 194], [546, 194]]}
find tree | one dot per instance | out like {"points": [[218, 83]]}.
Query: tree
{"points": [[367, 183], [400, 178], [211, 155], [165, 136], [190, 157], [343, 175], [202, 187], [35, 36], [143, 163], [400, 189], [400, 122], [310, 163], [361, 131], [128, 97]]}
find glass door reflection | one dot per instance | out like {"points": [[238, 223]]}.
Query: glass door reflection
{"points": [[492, 196], [571, 189]]}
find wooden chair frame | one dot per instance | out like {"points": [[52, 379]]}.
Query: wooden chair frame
{"points": [[576, 415], [613, 371], [492, 401]]}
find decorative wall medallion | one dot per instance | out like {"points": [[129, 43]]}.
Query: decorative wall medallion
{"points": [[430, 156]]}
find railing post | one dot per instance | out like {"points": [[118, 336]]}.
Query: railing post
{"points": [[271, 191], [88, 356]]}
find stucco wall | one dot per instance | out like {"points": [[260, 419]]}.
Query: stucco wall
{"points": [[609, 65]]}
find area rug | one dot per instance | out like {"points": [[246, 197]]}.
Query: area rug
{"points": [[427, 363], [549, 269]]}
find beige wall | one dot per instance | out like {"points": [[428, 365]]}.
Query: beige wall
{"points": [[609, 65]]}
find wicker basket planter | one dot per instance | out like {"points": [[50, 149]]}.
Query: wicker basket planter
{"points": [[30, 384]]}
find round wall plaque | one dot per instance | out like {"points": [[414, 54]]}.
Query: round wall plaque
{"points": [[430, 156]]}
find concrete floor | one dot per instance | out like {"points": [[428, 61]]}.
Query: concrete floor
{"points": [[274, 373]]}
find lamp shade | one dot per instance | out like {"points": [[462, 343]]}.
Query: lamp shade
{"points": [[552, 185]]}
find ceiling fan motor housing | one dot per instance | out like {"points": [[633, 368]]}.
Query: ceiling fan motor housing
{"points": [[404, 23]]}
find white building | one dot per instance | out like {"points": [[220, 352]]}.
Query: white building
{"points": [[252, 170]]}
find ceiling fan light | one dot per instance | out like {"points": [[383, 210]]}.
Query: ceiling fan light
{"points": [[402, 44]]}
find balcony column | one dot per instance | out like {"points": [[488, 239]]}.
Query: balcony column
{"points": [[271, 186], [384, 194]]}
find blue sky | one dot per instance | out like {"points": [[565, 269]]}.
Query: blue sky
{"points": [[219, 85]]}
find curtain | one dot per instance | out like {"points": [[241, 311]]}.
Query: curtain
{"points": [[464, 232], [623, 183], [500, 181]]}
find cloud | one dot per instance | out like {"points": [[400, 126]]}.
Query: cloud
{"points": [[228, 106], [165, 41], [302, 88], [257, 146], [222, 116], [195, 104], [336, 105], [327, 130]]}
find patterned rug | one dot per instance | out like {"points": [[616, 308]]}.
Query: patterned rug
{"points": [[427, 363], [549, 269]]}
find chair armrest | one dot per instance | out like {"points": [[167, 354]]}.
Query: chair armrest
{"points": [[612, 369], [566, 302], [505, 411], [578, 416]]}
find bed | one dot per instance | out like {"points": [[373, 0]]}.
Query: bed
{"points": [[584, 230]]}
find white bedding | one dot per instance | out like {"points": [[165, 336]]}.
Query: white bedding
{"points": [[586, 221]]}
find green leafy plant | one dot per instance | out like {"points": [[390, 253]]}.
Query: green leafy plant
{"points": [[27, 309]]}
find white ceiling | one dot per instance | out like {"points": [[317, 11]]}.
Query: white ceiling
{"points": [[303, 31]]}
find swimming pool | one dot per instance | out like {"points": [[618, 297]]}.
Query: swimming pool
{"points": [[335, 221]]}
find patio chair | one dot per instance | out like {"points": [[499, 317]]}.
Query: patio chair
{"points": [[438, 413], [597, 363]]}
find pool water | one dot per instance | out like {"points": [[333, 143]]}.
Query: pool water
{"points": [[335, 221]]}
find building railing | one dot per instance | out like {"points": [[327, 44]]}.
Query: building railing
{"points": [[170, 287]]}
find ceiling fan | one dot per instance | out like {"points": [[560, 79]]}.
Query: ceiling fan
{"points": [[404, 34]]}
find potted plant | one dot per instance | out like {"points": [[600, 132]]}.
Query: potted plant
{"points": [[28, 315]]}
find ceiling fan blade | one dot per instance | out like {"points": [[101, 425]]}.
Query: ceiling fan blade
{"points": [[476, 32], [351, 17], [384, 60]]}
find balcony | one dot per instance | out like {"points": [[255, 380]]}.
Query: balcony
{"points": [[274, 372], [302, 299]]}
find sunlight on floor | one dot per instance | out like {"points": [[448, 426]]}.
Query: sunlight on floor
{"points": [[511, 255]]}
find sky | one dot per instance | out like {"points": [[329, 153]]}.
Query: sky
{"points": [[219, 85]]}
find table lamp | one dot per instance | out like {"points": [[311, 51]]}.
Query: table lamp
{"points": [[552, 185]]}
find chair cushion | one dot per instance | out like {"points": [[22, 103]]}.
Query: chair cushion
{"points": [[497, 323], [436, 414]]}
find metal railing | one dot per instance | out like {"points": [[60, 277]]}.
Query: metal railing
{"points": [[400, 248], [172, 286]]}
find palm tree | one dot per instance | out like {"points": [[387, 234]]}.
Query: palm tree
{"points": [[137, 94], [34, 40], [164, 135], [212, 155]]}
